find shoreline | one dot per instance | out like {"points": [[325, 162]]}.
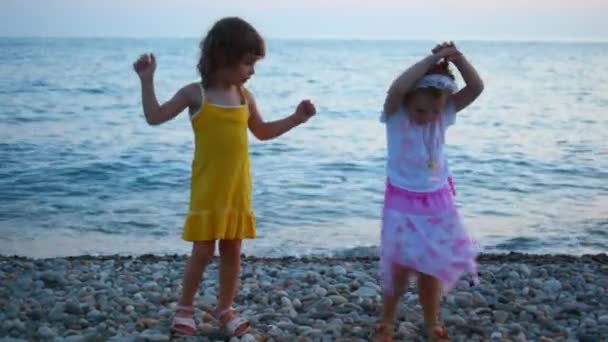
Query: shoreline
{"points": [[522, 297], [510, 257]]}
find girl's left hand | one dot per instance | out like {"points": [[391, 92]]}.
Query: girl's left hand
{"points": [[448, 49], [305, 111]]}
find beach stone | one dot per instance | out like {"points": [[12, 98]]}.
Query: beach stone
{"points": [[95, 316], [455, 320], [53, 278], [209, 299], [248, 338], [536, 283], [320, 291], [366, 292], [463, 299], [500, 316], [338, 270], [152, 336], [35, 314], [338, 300], [552, 285], [286, 302], [521, 337], [496, 336], [73, 308], [525, 270], [18, 324], [45, 332], [479, 300], [57, 312], [7, 325]]}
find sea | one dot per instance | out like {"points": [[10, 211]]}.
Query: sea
{"points": [[81, 173]]}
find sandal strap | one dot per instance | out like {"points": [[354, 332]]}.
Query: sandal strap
{"points": [[437, 331], [233, 325], [185, 308], [225, 312], [384, 328], [185, 322]]}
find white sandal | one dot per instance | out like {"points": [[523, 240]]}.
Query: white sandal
{"points": [[237, 326], [184, 326]]}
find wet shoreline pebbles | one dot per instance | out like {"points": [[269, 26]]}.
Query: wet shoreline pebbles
{"points": [[114, 298]]}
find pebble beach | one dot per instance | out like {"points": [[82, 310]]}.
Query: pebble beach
{"points": [[521, 297]]}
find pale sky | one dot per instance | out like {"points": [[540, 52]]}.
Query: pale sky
{"points": [[393, 19]]}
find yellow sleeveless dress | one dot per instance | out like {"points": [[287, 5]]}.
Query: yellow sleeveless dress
{"points": [[220, 193]]}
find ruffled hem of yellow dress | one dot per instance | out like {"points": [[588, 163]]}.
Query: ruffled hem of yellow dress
{"points": [[219, 225]]}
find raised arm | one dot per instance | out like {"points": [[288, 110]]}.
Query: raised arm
{"points": [[269, 130], [474, 85], [405, 82], [154, 112]]}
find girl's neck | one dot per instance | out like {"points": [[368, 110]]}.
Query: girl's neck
{"points": [[221, 86]]}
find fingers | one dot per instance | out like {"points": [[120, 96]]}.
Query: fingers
{"points": [[306, 108], [309, 107], [447, 50], [144, 62], [444, 45], [311, 110]]}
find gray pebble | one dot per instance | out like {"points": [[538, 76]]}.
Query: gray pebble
{"points": [[552, 285], [366, 292], [152, 336], [46, 332], [73, 308]]}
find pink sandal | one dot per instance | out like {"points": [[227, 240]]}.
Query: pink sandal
{"points": [[383, 332], [436, 332], [183, 326], [232, 324]]}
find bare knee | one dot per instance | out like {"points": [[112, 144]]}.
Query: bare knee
{"points": [[203, 251], [401, 277], [428, 281], [230, 250]]}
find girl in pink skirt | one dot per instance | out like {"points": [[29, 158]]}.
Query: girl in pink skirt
{"points": [[422, 232]]}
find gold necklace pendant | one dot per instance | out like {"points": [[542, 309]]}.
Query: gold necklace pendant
{"points": [[431, 164]]}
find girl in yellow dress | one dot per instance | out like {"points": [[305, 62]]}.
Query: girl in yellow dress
{"points": [[221, 110]]}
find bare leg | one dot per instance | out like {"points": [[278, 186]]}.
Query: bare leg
{"points": [[202, 253], [230, 269], [430, 296], [183, 322], [390, 302], [385, 328]]}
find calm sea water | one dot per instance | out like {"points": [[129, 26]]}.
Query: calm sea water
{"points": [[81, 172]]}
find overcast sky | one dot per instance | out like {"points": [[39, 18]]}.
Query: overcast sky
{"points": [[390, 19]]}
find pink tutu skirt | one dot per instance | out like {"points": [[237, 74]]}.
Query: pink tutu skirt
{"points": [[424, 232]]}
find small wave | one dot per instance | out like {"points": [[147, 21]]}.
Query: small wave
{"points": [[94, 91]]}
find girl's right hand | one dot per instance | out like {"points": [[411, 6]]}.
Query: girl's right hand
{"points": [[446, 50], [145, 66]]}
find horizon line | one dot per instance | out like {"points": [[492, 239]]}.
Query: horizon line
{"points": [[332, 38]]}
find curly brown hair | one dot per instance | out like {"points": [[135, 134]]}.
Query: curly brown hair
{"points": [[226, 44]]}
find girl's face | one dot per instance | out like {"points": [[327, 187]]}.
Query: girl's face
{"points": [[425, 106], [239, 74]]}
